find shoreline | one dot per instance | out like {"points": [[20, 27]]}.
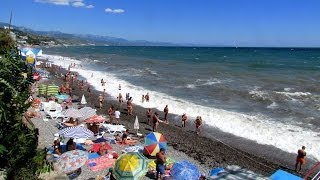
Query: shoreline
{"points": [[206, 148]]}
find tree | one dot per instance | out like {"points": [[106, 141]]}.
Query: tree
{"points": [[18, 144]]}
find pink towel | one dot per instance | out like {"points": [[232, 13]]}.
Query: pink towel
{"points": [[100, 163]]}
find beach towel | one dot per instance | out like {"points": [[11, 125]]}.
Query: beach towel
{"points": [[100, 163], [96, 147], [93, 155]]}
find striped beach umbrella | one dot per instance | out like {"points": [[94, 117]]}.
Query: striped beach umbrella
{"points": [[42, 89], [52, 90], [72, 160], [76, 132], [131, 166], [87, 112], [75, 113], [153, 143]]}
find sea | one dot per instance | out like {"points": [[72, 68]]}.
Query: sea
{"points": [[270, 96]]}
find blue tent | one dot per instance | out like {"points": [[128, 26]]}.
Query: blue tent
{"points": [[283, 175]]}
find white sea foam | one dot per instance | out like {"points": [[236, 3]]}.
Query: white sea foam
{"points": [[204, 82], [294, 94], [254, 127], [273, 105], [256, 93]]}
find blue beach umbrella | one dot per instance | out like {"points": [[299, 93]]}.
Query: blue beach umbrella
{"points": [[184, 170]]}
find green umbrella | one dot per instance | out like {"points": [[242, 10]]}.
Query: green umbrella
{"points": [[131, 166]]}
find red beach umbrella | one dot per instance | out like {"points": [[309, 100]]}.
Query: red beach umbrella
{"points": [[95, 119]]}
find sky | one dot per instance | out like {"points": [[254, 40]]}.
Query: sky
{"points": [[272, 23]]}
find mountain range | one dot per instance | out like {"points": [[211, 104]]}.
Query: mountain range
{"points": [[89, 39]]}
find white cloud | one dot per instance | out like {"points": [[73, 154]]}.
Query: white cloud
{"points": [[90, 6], [115, 11], [74, 3], [78, 4]]}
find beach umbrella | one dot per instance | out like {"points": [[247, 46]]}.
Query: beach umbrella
{"points": [[184, 170], [52, 90], [131, 165], [76, 132], [136, 124], [154, 142], [43, 89], [95, 119], [83, 100], [72, 160], [75, 113], [87, 112]]}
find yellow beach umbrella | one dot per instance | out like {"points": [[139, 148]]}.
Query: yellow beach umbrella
{"points": [[30, 59], [130, 166]]}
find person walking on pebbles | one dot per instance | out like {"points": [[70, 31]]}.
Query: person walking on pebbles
{"points": [[184, 119], [101, 99], [300, 158], [198, 123]]}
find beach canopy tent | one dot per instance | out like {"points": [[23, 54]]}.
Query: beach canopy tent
{"points": [[30, 51], [131, 166], [30, 54], [283, 175]]}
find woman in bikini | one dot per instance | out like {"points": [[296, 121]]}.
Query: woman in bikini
{"points": [[120, 99]]}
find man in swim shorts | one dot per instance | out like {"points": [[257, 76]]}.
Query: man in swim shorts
{"points": [[300, 158], [160, 164]]}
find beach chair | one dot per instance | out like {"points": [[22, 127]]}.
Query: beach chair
{"points": [[114, 129]]}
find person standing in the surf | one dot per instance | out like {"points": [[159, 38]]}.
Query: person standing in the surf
{"points": [[147, 97], [166, 111], [129, 106]]}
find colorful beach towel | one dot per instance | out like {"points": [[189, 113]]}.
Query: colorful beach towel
{"points": [[96, 147], [100, 163]]}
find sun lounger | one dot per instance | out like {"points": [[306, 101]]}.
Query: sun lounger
{"points": [[114, 129]]}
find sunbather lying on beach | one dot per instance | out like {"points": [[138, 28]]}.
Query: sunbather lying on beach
{"points": [[56, 146]]}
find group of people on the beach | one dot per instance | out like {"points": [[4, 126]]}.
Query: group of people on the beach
{"points": [[153, 119]]}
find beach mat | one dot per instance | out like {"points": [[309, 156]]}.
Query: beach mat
{"points": [[283, 175], [100, 163]]}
